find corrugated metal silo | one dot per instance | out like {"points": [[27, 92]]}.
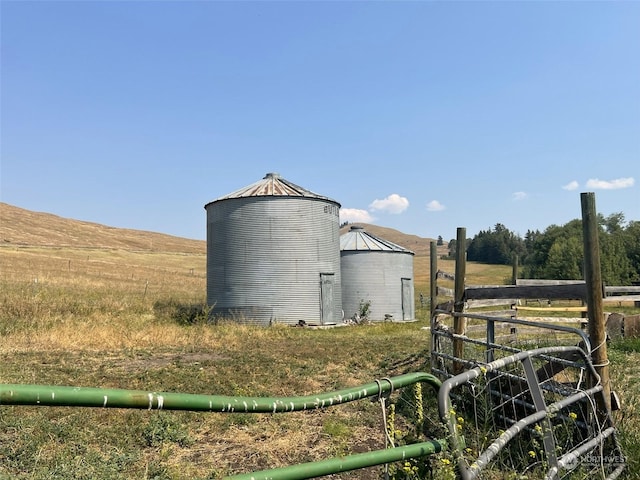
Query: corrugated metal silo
{"points": [[273, 255], [376, 271]]}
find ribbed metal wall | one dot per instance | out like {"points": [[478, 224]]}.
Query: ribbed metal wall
{"points": [[377, 276], [265, 257]]}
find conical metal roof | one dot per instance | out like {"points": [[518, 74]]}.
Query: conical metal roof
{"points": [[357, 239], [273, 185]]}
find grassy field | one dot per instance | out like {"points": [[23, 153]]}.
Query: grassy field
{"points": [[128, 318], [100, 323]]}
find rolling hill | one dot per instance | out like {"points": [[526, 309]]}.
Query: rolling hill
{"points": [[21, 227]]}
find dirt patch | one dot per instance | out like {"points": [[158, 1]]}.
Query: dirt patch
{"points": [[166, 359]]}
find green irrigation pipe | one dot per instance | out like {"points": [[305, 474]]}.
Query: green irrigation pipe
{"points": [[344, 464], [120, 398], [44, 395]]}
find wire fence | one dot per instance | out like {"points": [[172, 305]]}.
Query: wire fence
{"points": [[522, 396]]}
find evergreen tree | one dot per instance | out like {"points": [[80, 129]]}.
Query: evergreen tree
{"points": [[497, 246], [564, 260], [558, 252], [615, 264], [631, 240], [452, 247]]}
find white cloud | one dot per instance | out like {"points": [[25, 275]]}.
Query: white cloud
{"points": [[354, 215], [435, 206], [394, 203], [571, 186], [610, 184], [520, 195]]}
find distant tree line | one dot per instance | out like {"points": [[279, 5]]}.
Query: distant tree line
{"points": [[557, 253]]}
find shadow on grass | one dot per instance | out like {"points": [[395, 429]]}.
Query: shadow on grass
{"points": [[183, 313]]}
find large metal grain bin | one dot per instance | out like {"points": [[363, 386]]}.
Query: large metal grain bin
{"points": [[273, 255], [377, 275]]}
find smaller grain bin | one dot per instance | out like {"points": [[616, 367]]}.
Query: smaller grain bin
{"points": [[377, 275]]}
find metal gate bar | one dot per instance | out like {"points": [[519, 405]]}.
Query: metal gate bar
{"points": [[548, 415]]}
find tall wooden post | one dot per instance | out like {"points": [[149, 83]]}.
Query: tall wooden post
{"points": [[514, 271], [593, 279], [459, 323], [433, 292]]}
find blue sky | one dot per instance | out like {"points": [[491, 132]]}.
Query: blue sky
{"points": [[418, 116]]}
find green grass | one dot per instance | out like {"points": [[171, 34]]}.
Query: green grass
{"points": [[625, 372]]}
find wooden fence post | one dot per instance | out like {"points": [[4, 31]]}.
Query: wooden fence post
{"points": [[459, 323], [593, 279], [433, 290]]}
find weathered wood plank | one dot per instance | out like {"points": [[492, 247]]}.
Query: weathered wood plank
{"points": [[443, 291], [552, 309], [540, 281], [575, 291], [492, 302], [621, 289], [621, 298], [445, 275]]}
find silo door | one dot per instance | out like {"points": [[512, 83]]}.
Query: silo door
{"points": [[326, 298], [406, 299]]}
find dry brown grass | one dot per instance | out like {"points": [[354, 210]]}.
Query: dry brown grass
{"points": [[25, 227]]}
